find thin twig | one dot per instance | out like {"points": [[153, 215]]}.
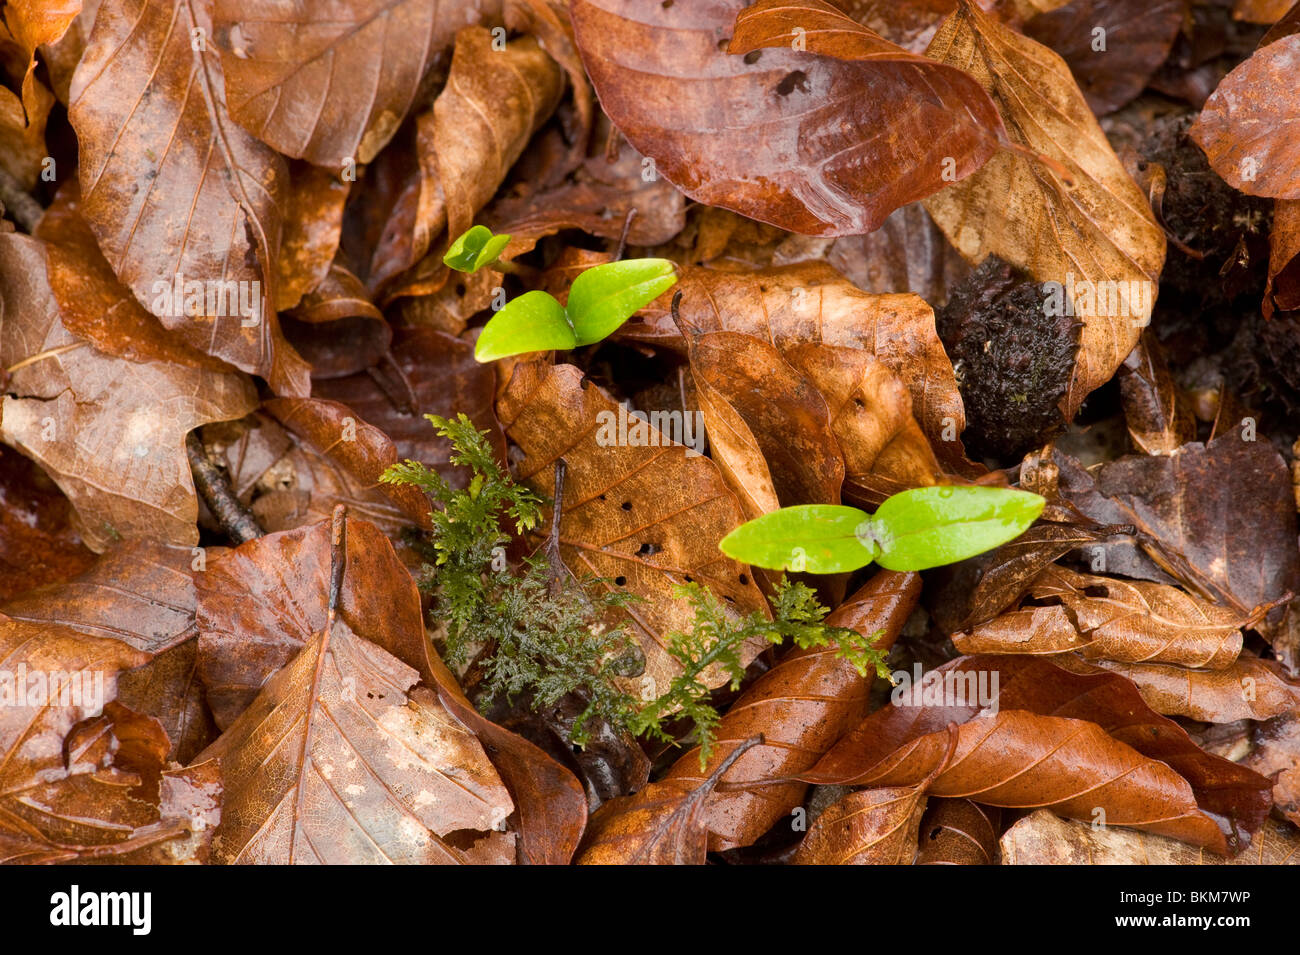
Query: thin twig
{"points": [[627, 227], [559, 571], [235, 519]]}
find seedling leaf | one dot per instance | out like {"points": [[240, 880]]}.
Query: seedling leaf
{"points": [[604, 297], [533, 322], [817, 538]]}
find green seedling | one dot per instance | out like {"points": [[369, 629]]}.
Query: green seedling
{"points": [[476, 248], [601, 299], [913, 530]]}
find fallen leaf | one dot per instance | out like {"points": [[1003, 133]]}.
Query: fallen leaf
{"points": [[1088, 742], [642, 517], [1097, 233], [1044, 838], [109, 432], [176, 192], [811, 303], [1245, 127], [1113, 47], [959, 832], [868, 827], [663, 77], [330, 82], [801, 707]]}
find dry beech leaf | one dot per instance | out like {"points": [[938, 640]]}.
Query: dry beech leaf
{"points": [[93, 304], [661, 825], [140, 593], [1137, 36], [811, 303], [907, 253], [1100, 229], [1088, 742], [868, 827], [168, 689], [336, 328], [1141, 622], [341, 759], [338, 459], [644, 517], [871, 417], [800, 707], [313, 224], [329, 81], [1219, 518], [114, 801], [959, 832], [1159, 420], [1247, 125], [1250, 688], [1113, 619], [38, 544], [787, 418], [492, 104], [847, 137], [1260, 11], [998, 579], [171, 186], [1283, 291], [1044, 838], [596, 199], [1019, 759], [1276, 754], [109, 432], [243, 641]]}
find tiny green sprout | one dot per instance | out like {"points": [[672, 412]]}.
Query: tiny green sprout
{"points": [[601, 299], [913, 530], [476, 248]]}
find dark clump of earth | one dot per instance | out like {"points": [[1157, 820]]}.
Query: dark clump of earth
{"points": [[1219, 236], [1013, 359]]}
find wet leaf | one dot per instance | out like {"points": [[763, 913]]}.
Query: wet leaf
{"points": [[663, 77], [1097, 228]]}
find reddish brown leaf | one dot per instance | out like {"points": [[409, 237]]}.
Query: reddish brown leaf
{"points": [[801, 707], [172, 187], [109, 432], [959, 832], [869, 827], [1247, 126], [330, 82], [662, 76]]}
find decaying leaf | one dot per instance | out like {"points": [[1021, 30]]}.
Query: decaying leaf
{"points": [[662, 76], [109, 432], [800, 707], [1094, 235], [1044, 838], [868, 827], [330, 82], [153, 142]]}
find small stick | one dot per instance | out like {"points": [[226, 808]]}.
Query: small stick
{"points": [[235, 519], [627, 227], [553, 558]]}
